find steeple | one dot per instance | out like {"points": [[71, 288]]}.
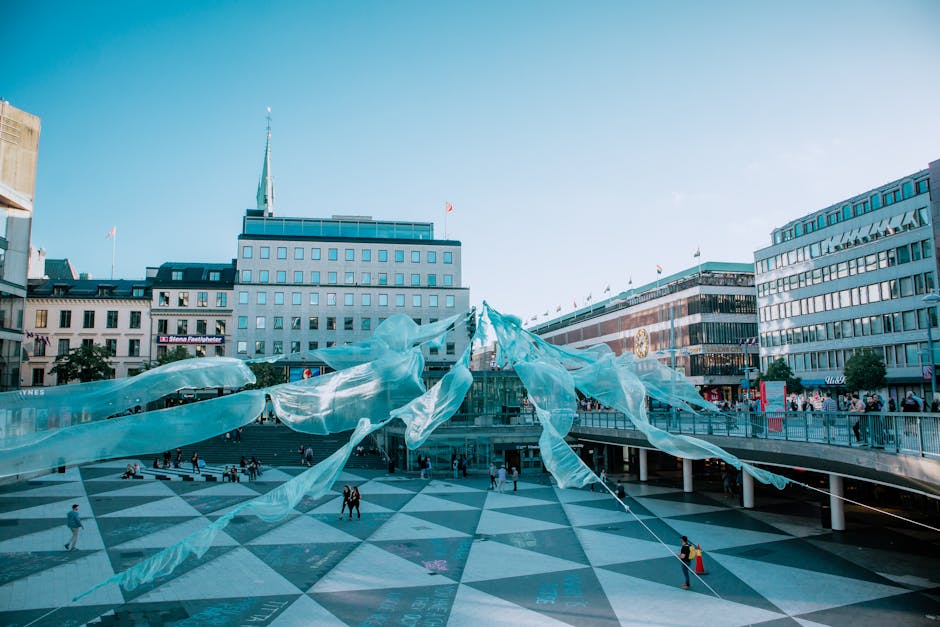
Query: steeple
{"points": [[266, 184]]}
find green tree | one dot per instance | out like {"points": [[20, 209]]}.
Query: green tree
{"points": [[778, 370], [865, 370], [267, 375], [88, 362]]}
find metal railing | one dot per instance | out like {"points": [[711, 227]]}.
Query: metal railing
{"points": [[901, 433]]}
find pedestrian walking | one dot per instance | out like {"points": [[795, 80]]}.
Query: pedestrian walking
{"points": [[492, 476], [515, 479], [74, 522], [179, 458], [421, 465], [347, 492], [427, 466], [456, 466], [621, 492], [463, 465], [354, 498], [238, 434], [685, 555], [501, 478], [195, 460]]}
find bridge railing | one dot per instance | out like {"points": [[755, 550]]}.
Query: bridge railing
{"points": [[900, 433]]}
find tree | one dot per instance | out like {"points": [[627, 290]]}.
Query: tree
{"points": [[88, 362], [267, 375], [865, 370], [778, 370], [177, 354]]}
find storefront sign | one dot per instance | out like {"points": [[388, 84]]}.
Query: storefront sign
{"points": [[191, 339], [839, 380]]}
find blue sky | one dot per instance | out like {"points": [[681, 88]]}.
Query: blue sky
{"points": [[580, 143]]}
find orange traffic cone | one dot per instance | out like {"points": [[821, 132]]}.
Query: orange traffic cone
{"points": [[699, 564]]}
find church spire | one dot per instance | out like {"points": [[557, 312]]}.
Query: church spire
{"points": [[266, 184]]}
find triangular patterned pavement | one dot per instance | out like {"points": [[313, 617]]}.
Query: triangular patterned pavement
{"points": [[408, 527], [303, 564], [561, 543], [441, 555], [305, 612], [367, 568], [415, 605], [494, 522], [470, 604], [496, 560], [464, 521], [304, 530]]}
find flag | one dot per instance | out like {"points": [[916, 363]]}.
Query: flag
{"points": [[698, 251], [546, 313], [659, 269], [588, 299], [111, 233], [574, 304], [449, 207], [558, 308], [607, 289], [630, 282]]}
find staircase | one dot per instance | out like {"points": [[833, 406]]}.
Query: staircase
{"points": [[274, 446]]}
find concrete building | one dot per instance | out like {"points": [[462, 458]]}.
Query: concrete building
{"points": [[702, 317], [309, 283], [19, 152], [854, 275], [192, 307], [63, 314]]}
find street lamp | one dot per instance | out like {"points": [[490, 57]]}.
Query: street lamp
{"points": [[931, 299]]}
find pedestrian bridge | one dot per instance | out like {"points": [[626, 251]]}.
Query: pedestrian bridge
{"points": [[896, 449]]}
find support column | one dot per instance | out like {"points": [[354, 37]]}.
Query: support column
{"points": [[747, 490], [686, 474], [644, 466], [836, 504]]}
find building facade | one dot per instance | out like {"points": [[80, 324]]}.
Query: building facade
{"points": [[854, 275], [19, 152], [702, 320], [62, 315], [192, 308]]}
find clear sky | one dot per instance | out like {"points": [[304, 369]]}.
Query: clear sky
{"points": [[580, 143]]}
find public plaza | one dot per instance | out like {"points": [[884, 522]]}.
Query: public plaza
{"points": [[452, 552]]}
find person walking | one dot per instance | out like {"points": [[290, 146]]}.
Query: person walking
{"points": [[427, 466], [501, 478], [492, 476], [515, 479], [685, 555], [456, 465], [74, 522], [179, 458], [354, 498], [195, 460], [621, 492], [347, 492]]}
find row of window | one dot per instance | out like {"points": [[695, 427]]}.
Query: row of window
{"points": [[721, 332], [886, 228], [214, 275], [862, 295], [869, 263], [897, 322], [182, 327], [110, 345], [277, 347], [349, 278], [906, 190], [895, 356], [202, 299], [349, 299], [88, 319], [349, 254], [199, 350]]}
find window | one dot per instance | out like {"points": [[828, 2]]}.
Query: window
{"points": [[350, 254], [383, 278], [399, 256], [182, 327], [366, 254], [448, 257], [246, 254], [242, 348], [278, 298], [332, 254], [262, 298], [221, 299], [315, 254], [200, 350], [242, 322], [432, 300], [383, 256], [42, 316], [163, 326], [219, 350], [432, 280], [296, 298], [164, 299], [39, 347], [282, 276], [298, 276], [260, 322], [416, 300], [137, 292], [135, 320], [432, 256], [243, 298], [246, 276], [264, 276], [88, 319], [282, 252], [264, 252], [182, 300], [202, 327], [348, 323], [313, 323], [295, 346], [63, 347], [161, 351], [259, 347], [298, 254], [367, 300], [415, 280], [416, 256], [350, 278], [450, 348], [278, 322], [330, 323], [177, 275], [312, 346], [331, 299], [202, 299], [39, 377], [348, 300], [366, 324], [331, 278], [383, 300], [448, 280], [399, 278], [449, 300], [295, 324], [111, 322], [133, 348], [399, 300], [315, 277], [220, 327], [366, 278], [314, 298]]}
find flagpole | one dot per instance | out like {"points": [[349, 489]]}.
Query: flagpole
{"points": [[445, 219], [113, 251]]}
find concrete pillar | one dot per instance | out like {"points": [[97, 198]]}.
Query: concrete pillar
{"points": [[686, 475], [747, 490], [836, 504], [644, 466]]}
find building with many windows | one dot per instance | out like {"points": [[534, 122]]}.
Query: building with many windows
{"points": [[63, 314], [702, 317], [192, 308], [854, 275]]}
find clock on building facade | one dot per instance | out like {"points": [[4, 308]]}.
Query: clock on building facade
{"points": [[641, 343]]}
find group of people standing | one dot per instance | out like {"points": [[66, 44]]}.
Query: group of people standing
{"points": [[351, 498], [498, 477]]}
